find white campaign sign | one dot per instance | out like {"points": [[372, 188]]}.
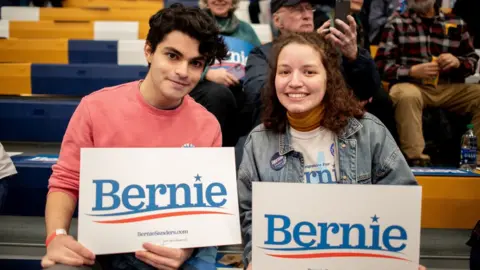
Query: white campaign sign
{"points": [[335, 227], [175, 197]]}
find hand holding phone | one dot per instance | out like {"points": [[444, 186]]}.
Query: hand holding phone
{"points": [[343, 36]]}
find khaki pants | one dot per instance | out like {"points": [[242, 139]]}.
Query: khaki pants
{"points": [[410, 100]]}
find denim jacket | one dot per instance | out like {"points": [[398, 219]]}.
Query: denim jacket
{"points": [[367, 154]]}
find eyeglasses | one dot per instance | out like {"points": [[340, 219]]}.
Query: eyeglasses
{"points": [[302, 8]]}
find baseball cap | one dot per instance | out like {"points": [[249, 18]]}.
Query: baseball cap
{"points": [[275, 5]]}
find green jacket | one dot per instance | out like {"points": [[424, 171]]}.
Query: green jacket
{"points": [[233, 27]]}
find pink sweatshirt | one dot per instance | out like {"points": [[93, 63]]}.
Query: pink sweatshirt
{"points": [[119, 117]]}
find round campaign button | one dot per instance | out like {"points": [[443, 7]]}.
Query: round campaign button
{"points": [[278, 161]]}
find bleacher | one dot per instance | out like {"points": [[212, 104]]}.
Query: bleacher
{"points": [[51, 57]]}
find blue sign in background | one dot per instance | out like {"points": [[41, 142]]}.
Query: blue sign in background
{"points": [[238, 54], [443, 172]]}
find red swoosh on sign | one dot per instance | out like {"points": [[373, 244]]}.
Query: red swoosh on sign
{"points": [[335, 254], [162, 215]]}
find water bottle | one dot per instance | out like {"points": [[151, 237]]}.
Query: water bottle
{"points": [[468, 152]]}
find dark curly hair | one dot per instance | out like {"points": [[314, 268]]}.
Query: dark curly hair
{"points": [[193, 22], [339, 101]]}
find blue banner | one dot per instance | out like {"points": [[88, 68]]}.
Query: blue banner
{"points": [[238, 51], [443, 172], [41, 159]]}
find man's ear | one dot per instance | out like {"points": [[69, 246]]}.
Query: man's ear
{"points": [[278, 21], [147, 50]]}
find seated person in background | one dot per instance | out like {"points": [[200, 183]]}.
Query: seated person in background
{"points": [[419, 48], [314, 122], [254, 11], [223, 13], [221, 91], [358, 67], [380, 11], [155, 112], [7, 169]]}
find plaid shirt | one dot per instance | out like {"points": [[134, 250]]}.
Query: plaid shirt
{"points": [[407, 41]]}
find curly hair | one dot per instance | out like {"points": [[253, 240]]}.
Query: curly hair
{"points": [[193, 22], [339, 101], [203, 4]]}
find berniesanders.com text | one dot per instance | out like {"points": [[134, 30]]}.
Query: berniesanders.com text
{"points": [[167, 232]]}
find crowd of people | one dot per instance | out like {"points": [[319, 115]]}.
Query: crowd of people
{"points": [[314, 91], [308, 109], [239, 110]]}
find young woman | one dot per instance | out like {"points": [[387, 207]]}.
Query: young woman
{"points": [[314, 130]]}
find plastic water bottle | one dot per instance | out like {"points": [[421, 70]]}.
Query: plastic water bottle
{"points": [[468, 152]]}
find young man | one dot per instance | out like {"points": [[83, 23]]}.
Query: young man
{"points": [[426, 55], [155, 112]]}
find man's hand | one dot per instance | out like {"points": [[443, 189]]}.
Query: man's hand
{"points": [[345, 37], [425, 71], [447, 61], [163, 257], [63, 249], [222, 76]]}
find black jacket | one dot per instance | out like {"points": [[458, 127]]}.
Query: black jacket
{"points": [[468, 11]]}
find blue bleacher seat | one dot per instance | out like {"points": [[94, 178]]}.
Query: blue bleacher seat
{"points": [[14, 264], [31, 182], [81, 79], [92, 51], [34, 120]]}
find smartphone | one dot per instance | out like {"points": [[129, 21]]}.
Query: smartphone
{"points": [[342, 10]]}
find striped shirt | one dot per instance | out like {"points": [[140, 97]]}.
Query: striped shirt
{"points": [[409, 40]]}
